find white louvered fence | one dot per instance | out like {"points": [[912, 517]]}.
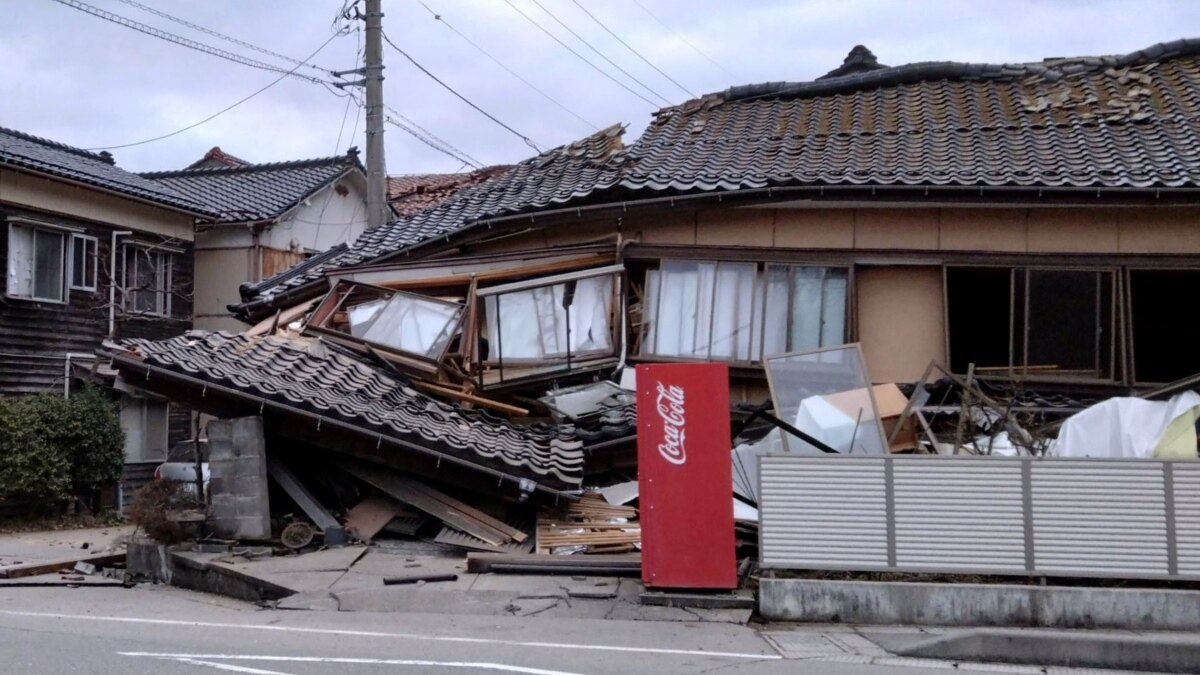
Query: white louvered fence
{"points": [[981, 515]]}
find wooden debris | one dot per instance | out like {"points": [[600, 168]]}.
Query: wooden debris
{"points": [[482, 563], [370, 516], [592, 523], [48, 567]]}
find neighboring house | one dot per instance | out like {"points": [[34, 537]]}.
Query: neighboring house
{"points": [[72, 220], [269, 217], [1036, 220]]}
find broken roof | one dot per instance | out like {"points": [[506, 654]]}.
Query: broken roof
{"points": [[1116, 122], [409, 194], [308, 376], [248, 192], [216, 157], [23, 151]]}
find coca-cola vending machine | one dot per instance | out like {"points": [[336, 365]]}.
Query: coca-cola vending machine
{"points": [[685, 480]]}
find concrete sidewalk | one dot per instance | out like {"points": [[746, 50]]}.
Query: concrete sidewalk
{"points": [[27, 547], [350, 579]]}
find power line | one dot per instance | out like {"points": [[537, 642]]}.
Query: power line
{"points": [[510, 71], [601, 54], [464, 99], [435, 138], [420, 137], [179, 40], [209, 31], [581, 57], [225, 110], [627, 46], [686, 41]]}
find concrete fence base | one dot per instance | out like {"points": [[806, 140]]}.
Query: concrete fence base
{"points": [[868, 602]]}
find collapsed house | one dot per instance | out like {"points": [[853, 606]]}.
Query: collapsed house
{"points": [[1028, 224]]}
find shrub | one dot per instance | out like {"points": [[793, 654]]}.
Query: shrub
{"points": [[30, 465], [152, 507], [52, 448]]}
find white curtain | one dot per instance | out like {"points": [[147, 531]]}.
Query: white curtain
{"points": [[20, 261], [413, 324], [534, 324]]}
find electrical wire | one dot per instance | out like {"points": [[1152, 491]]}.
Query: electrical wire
{"points": [[686, 41], [464, 99], [185, 42], [209, 31], [610, 62], [434, 137], [630, 48], [510, 71], [581, 57], [223, 111]]}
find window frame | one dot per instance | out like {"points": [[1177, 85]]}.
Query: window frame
{"points": [[759, 293], [34, 226], [163, 305], [95, 256], [1113, 319]]}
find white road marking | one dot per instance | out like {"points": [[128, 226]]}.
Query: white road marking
{"points": [[401, 636], [203, 659], [231, 668]]}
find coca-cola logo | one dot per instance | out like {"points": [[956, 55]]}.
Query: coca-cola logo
{"points": [[670, 409]]}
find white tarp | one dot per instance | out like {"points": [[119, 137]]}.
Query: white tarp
{"points": [[1132, 427]]}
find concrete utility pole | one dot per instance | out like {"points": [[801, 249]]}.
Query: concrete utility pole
{"points": [[377, 209]]}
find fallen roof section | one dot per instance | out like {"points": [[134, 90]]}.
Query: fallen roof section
{"points": [[413, 193], [304, 377]]}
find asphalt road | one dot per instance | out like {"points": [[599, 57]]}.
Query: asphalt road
{"points": [[60, 631]]}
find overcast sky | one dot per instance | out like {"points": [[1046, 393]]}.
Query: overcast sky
{"points": [[79, 79]]}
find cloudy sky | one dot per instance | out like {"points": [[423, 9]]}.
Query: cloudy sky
{"points": [[88, 82]]}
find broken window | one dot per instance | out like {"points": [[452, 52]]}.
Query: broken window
{"points": [[741, 311], [395, 322], [1165, 336], [1034, 321], [557, 318]]}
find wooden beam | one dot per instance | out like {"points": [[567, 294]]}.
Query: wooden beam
{"points": [[280, 318], [471, 398]]}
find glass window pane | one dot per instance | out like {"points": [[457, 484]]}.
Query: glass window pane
{"points": [[550, 321], [650, 311], [775, 320], [48, 265], [827, 395], [1063, 321], [833, 308], [20, 261], [361, 316], [807, 293], [413, 324], [732, 310]]}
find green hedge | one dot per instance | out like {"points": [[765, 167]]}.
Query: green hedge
{"points": [[53, 448]]}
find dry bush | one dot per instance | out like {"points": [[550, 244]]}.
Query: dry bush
{"points": [[152, 505]]}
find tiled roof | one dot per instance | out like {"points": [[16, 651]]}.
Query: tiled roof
{"points": [[1108, 122], [215, 158], [1087, 123], [307, 375], [413, 193], [553, 177], [45, 156], [255, 191]]}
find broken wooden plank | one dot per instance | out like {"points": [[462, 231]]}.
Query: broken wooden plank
{"points": [[427, 500], [31, 569], [514, 533], [471, 398], [369, 516], [282, 318], [322, 518]]}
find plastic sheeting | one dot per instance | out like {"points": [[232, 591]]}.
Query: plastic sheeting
{"points": [[1132, 428]]}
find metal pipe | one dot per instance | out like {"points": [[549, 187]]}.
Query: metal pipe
{"points": [[67, 369], [112, 281]]}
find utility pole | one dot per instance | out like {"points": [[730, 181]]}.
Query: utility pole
{"points": [[377, 209]]}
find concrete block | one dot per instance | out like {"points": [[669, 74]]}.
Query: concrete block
{"points": [[865, 602], [149, 559], [238, 463]]}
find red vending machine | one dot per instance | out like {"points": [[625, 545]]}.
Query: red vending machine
{"points": [[685, 480]]}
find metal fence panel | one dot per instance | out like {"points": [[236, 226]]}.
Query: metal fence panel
{"points": [[1061, 517]]}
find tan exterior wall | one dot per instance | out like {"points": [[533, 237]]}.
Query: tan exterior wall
{"points": [[218, 274], [1065, 230], [901, 320], [46, 194]]}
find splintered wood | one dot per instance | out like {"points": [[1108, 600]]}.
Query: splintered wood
{"points": [[590, 525]]}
